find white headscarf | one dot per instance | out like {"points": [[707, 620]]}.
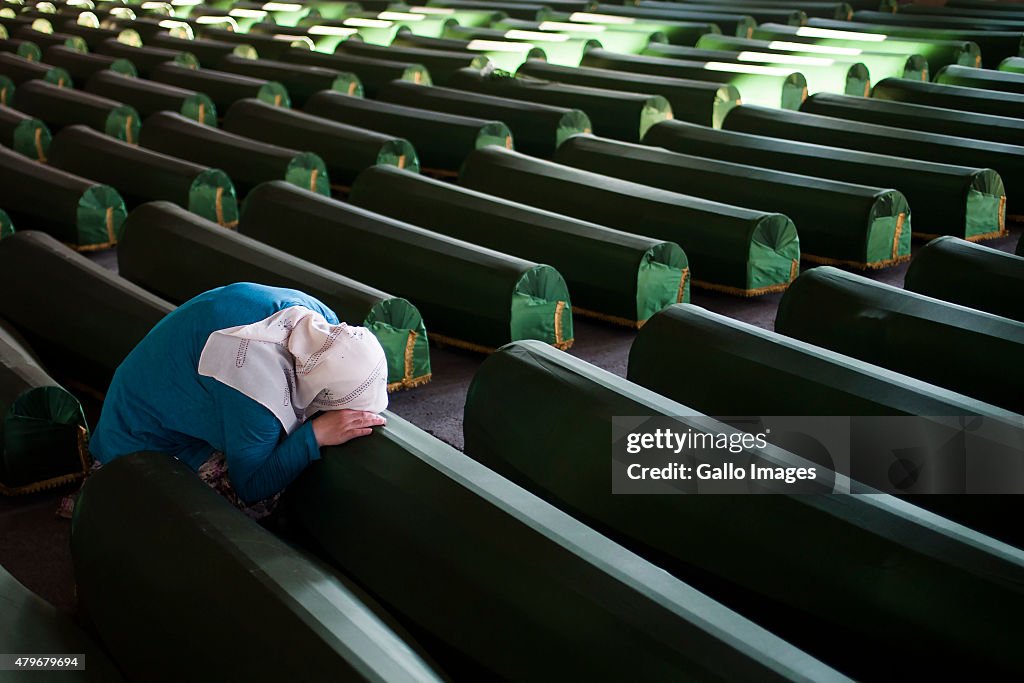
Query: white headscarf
{"points": [[295, 364]]}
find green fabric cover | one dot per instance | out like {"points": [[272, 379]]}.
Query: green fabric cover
{"points": [[6, 225], [986, 79], [149, 97], [538, 129], [760, 14], [82, 65], [440, 63], [954, 347], [156, 232], [838, 222], [442, 141], [75, 210], [20, 70], [944, 586], [1013, 65], [939, 53], [732, 24], [6, 91], [60, 107], [301, 81], [729, 248], [851, 77], [346, 150], [142, 175], [970, 275], [472, 296], [22, 48], [880, 64], [223, 88], [43, 429], [694, 101], [917, 117], [951, 97], [164, 564], [24, 134], [1006, 160], [147, 58], [620, 115], [102, 316], [247, 162], [787, 89], [30, 624], [953, 200], [374, 73], [995, 45], [565, 50], [208, 52], [613, 275], [531, 580]]}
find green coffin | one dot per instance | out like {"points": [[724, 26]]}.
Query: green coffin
{"points": [[300, 81], [939, 53], [996, 43], [951, 97], [45, 40], [223, 88], [880, 64], [538, 129], [164, 564], [733, 24], [624, 39], [970, 275], [81, 65], [613, 275], [442, 141], [501, 54], [60, 107], [986, 79], [954, 347], [937, 585], [149, 97], [968, 202], [208, 52], [858, 226], [20, 70], [24, 134], [621, 115], [247, 162], [1006, 160], [694, 101], [761, 14], [22, 48], [269, 47], [143, 175], [822, 74], [346, 150], [510, 587], [918, 117], [471, 296], [30, 624], [77, 211], [1013, 65], [102, 316], [829, 10], [440, 63], [94, 36], [559, 49], [43, 433], [730, 249], [155, 232], [769, 86], [374, 73], [146, 58]]}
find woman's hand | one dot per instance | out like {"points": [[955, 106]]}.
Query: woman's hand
{"points": [[335, 427]]}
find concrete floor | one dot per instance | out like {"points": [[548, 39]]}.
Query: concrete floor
{"points": [[34, 541]]}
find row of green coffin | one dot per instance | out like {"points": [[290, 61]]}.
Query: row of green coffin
{"points": [[1006, 160], [861, 581], [946, 200], [493, 581], [977, 100]]}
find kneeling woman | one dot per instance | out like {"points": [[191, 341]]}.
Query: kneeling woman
{"points": [[228, 382]]}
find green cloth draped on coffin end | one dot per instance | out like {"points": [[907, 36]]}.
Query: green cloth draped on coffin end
{"points": [[6, 91], [31, 138], [969, 274], [6, 225], [124, 123], [201, 108], [101, 213], [540, 307], [212, 196], [308, 171], [43, 432]]}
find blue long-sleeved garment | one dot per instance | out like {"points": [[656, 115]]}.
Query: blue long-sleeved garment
{"points": [[158, 401]]}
